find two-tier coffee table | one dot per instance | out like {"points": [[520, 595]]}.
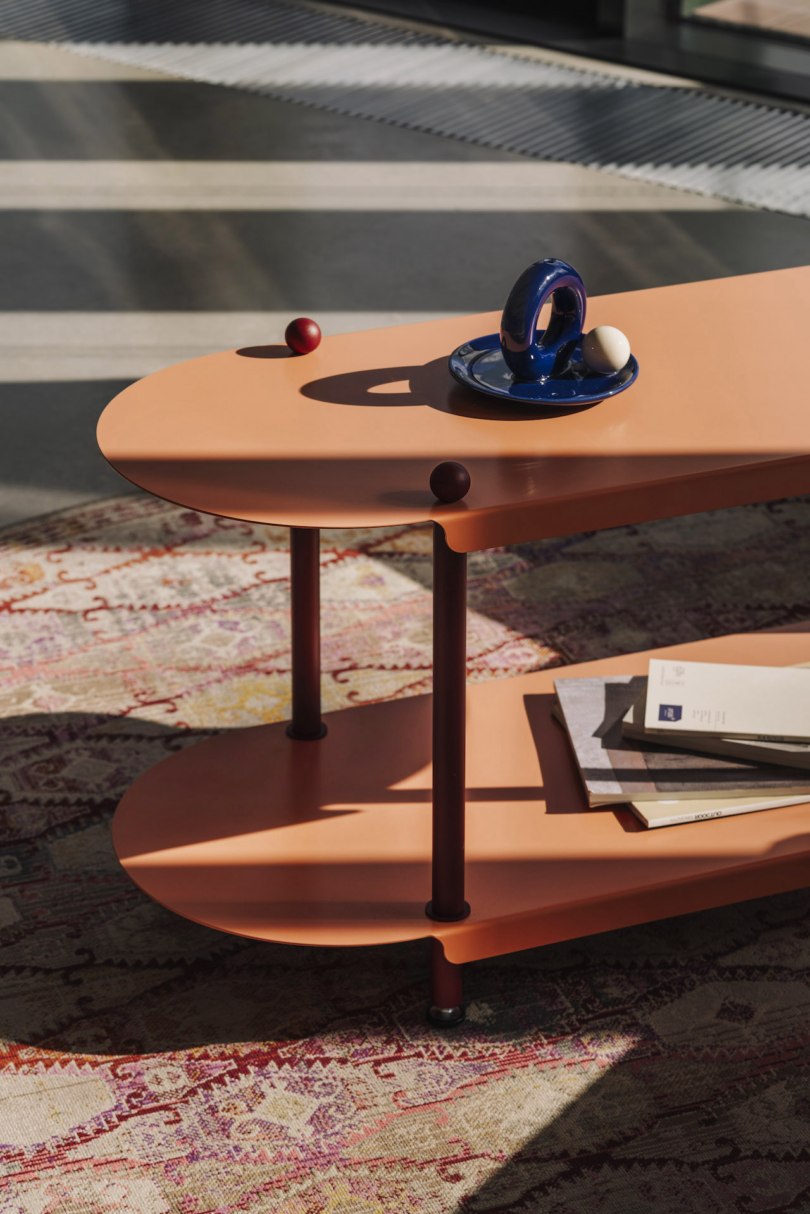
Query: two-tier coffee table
{"points": [[341, 836]]}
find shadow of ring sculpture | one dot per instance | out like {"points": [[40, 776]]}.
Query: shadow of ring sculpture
{"points": [[546, 367]]}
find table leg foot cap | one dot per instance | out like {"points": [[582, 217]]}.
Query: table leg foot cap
{"points": [[431, 914], [445, 1017], [307, 737]]}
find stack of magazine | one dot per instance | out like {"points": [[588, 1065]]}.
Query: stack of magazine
{"points": [[691, 740]]}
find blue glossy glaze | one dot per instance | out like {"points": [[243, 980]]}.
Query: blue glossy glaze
{"points": [[530, 356], [542, 368], [480, 365]]}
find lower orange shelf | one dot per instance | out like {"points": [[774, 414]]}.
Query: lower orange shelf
{"points": [[329, 842]]}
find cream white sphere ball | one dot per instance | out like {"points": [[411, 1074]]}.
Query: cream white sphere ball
{"points": [[605, 349]]}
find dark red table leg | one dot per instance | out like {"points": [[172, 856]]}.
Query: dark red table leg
{"points": [[449, 747], [305, 577], [446, 1007]]}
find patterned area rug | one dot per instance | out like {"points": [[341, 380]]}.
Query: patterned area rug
{"points": [[148, 1065]]}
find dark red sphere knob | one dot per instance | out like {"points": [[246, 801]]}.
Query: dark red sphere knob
{"points": [[303, 335], [449, 482]]}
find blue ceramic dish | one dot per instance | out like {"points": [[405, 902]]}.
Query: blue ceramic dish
{"points": [[543, 368], [481, 365]]}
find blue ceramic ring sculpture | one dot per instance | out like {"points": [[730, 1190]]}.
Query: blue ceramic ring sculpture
{"points": [[541, 368], [525, 355]]}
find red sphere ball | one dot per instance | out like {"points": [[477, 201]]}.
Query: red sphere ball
{"points": [[303, 335], [449, 482]]}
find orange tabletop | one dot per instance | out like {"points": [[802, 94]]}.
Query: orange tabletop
{"points": [[348, 435], [330, 843]]}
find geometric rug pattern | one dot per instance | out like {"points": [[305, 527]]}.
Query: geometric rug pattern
{"points": [[145, 609], [150, 1065]]}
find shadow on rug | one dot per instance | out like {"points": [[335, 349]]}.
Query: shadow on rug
{"points": [[151, 1065]]}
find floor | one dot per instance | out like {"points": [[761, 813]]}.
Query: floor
{"points": [[144, 220]]}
